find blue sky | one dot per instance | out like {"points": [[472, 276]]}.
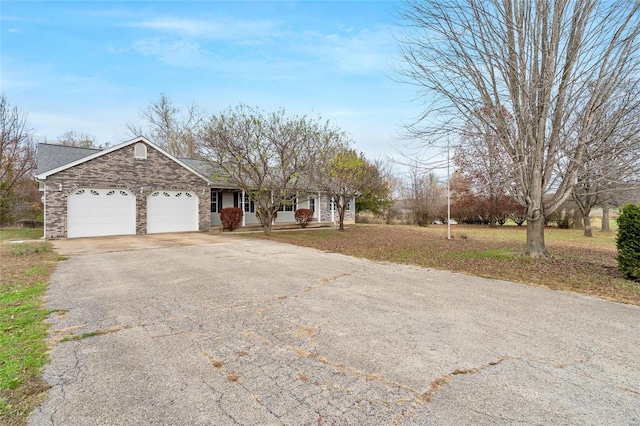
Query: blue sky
{"points": [[92, 66]]}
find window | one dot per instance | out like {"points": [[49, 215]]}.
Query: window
{"points": [[140, 151], [289, 206], [331, 206], [216, 201], [312, 204], [249, 205], [348, 206]]}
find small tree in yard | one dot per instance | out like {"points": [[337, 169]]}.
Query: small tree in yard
{"points": [[344, 176], [231, 217], [268, 155], [303, 217], [628, 242]]}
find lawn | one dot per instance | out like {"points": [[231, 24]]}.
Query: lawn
{"points": [[24, 275], [578, 264]]}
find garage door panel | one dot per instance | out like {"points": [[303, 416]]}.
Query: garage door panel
{"points": [[172, 211], [93, 212]]}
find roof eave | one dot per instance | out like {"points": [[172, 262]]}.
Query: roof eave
{"points": [[43, 176]]}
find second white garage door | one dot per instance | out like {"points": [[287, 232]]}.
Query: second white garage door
{"points": [[172, 211]]}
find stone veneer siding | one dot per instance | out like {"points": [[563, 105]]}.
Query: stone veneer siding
{"points": [[119, 169]]}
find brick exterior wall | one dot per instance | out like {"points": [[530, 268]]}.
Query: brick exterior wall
{"points": [[119, 169]]}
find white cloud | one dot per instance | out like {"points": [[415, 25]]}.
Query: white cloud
{"points": [[359, 52], [213, 28], [173, 52]]}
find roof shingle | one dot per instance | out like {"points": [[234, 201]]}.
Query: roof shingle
{"points": [[53, 156]]}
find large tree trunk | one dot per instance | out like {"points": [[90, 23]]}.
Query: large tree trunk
{"points": [[605, 218], [535, 224], [535, 237], [535, 215]]}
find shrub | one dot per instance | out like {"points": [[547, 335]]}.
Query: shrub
{"points": [[231, 217], [303, 216], [628, 242]]}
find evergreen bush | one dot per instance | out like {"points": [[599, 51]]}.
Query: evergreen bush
{"points": [[628, 242]]}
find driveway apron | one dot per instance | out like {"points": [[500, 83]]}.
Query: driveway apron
{"points": [[252, 332]]}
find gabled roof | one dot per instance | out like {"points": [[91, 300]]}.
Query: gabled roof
{"points": [[61, 153], [53, 156]]}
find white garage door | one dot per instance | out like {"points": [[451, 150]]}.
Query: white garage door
{"points": [[172, 211], [94, 212]]}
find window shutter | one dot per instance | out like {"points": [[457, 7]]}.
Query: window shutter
{"points": [[219, 201], [235, 199]]}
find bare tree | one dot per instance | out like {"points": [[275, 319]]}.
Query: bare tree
{"points": [[17, 156], [425, 196], [270, 156], [611, 163], [79, 139], [533, 58], [171, 129]]}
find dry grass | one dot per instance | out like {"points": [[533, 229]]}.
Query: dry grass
{"points": [[579, 264]]}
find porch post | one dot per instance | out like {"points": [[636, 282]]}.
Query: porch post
{"points": [[332, 205], [244, 222], [318, 207]]}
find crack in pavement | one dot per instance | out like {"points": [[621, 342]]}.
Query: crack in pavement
{"points": [[439, 382], [220, 365], [419, 397], [325, 282], [263, 306]]}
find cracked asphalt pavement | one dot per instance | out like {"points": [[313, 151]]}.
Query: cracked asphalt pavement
{"points": [[234, 331]]}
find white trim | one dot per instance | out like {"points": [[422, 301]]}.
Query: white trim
{"points": [[244, 213], [319, 206], [332, 205], [115, 148], [44, 211]]}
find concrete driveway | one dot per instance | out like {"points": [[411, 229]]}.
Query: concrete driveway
{"points": [[238, 331]]}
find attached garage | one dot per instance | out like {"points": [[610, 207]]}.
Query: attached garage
{"points": [[172, 211], [94, 212], [131, 188]]}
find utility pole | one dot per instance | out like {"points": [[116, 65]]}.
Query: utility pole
{"points": [[448, 196]]}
